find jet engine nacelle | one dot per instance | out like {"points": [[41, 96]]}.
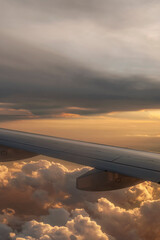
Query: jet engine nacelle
{"points": [[97, 180], [12, 154]]}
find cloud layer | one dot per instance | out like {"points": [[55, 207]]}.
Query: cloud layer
{"points": [[78, 57], [39, 201]]}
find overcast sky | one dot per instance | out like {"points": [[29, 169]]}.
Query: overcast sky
{"points": [[79, 57]]}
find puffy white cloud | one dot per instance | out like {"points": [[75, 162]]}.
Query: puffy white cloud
{"points": [[83, 226], [38, 200], [80, 227], [136, 223]]}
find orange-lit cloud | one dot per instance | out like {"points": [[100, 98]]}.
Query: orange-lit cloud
{"points": [[68, 115], [145, 114], [15, 112], [79, 108], [30, 193]]}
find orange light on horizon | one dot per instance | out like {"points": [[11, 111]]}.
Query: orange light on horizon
{"points": [[137, 129]]}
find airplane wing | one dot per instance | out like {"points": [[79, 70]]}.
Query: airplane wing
{"points": [[117, 162]]}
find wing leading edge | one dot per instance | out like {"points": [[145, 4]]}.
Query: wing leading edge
{"points": [[137, 164]]}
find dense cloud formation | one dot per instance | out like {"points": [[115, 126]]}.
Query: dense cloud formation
{"points": [[39, 201], [78, 57]]}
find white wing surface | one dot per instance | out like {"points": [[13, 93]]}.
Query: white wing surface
{"points": [[138, 164]]}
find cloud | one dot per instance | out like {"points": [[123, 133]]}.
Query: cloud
{"points": [[78, 228], [4, 230], [39, 201], [137, 223], [101, 11], [44, 84], [79, 57]]}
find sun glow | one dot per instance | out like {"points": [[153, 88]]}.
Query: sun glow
{"points": [[135, 129]]}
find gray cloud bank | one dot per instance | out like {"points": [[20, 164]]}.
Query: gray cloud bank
{"points": [[98, 56], [39, 201]]}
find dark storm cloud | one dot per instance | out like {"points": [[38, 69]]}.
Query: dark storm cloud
{"points": [[47, 68], [48, 84]]}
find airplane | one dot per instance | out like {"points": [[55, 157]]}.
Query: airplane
{"points": [[113, 167]]}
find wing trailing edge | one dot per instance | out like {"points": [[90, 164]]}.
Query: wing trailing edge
{"points": [[132, 163]]}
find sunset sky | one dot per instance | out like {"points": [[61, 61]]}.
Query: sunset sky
{"points": [[82, 69], [86, 70]]}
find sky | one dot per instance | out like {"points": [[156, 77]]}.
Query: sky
{"points": [[86, 61], [86, 70]]}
